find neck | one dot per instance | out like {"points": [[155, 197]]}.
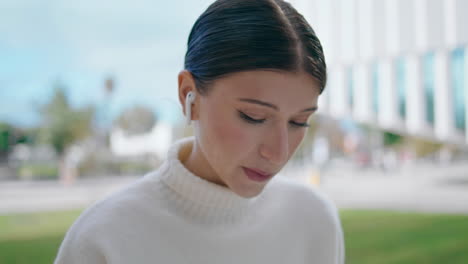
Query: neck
{"points": [[194, 160]]}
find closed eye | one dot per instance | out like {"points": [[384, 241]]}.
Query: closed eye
{"points": [[249, 119], [299, 124]]}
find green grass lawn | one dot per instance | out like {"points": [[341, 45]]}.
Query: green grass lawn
{"points": [[405, 238], [33, 238], [375, 237]]}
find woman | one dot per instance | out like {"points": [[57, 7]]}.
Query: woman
{"points": [[253, 73]]}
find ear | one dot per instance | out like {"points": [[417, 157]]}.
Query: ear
{"points": [[187, 84]]}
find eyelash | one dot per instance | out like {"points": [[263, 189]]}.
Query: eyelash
{"points": [[251, 120]]}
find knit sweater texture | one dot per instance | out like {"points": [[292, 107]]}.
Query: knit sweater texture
{"points": [[173, 216]]}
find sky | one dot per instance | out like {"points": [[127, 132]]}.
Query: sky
{"points": [[140, 43]]}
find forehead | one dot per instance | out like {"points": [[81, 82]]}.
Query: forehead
{"points": [[277, 87]]}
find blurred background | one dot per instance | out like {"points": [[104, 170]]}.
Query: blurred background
{"points": [[88, 104]]}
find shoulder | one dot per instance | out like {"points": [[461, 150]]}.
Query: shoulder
{"points": [[102, 227], [301, 194], [113, 215], [312, 215], [304, 201]]}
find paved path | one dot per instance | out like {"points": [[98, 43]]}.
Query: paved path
{"points": [[17, 197], [430, 188], [427, 188]]}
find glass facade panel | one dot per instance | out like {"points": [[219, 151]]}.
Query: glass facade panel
{"points": [[458, 86], [428, 83], [401, 86]]}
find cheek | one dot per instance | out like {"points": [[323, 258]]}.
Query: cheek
{"points": [[234, 138], [295, 141], [226, 137]]}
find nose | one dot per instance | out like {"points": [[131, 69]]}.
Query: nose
{"points": [[275, 147]]}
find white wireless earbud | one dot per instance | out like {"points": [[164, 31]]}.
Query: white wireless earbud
{"points": [[188, 106]]}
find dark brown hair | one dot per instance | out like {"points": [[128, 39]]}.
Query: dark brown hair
{"points": [[240, 35]]}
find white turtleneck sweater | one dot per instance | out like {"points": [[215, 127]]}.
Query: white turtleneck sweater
{"points": [[173, 216]]}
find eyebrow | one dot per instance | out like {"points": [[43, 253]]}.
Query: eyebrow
{"points": [[255, 101]]}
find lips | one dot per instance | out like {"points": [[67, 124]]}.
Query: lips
{"points": [[257, 175]]}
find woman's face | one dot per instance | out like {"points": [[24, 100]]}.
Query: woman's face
{"points": [[252, 121]]}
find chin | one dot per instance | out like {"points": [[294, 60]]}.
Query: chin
{"points": [[249, 191]]}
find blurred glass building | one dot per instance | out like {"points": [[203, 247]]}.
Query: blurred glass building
{"points": [[401, 65]]}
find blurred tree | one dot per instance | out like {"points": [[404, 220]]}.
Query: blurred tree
{"points": [[28, 135], [10, 136], [63, 126], [136, 120], [392, 139], [6, 132]]}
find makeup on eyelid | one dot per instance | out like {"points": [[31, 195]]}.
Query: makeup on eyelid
{"points": [[252, 120]]}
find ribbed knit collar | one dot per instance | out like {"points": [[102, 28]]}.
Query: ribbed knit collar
{"points": [[198, 190]]}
